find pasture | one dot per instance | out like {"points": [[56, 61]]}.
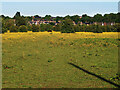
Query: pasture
{"points": [[42, 60]]}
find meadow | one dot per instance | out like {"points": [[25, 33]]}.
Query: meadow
{"points": [[44, 60]]}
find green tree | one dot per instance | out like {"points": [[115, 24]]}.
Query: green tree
{"points": [[35, 28], [17, 15], [23, 28], [85, 18], [67, 17], [58, 19], [37, 16], [47, 17], [13, 28], [98, 18], [20, 21], [29, 18], [58, 27], [117, 18], [82, 28], [4, 30], [29, 27], [107, 18], [42, 27], [77, 28], [75, 18], [117, 27], [67, 26], [97, 29], [48, 28], [2, 16], [7, 23]]}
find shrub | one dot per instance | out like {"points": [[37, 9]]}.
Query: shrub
{"points": [[91, 28], [46, 27], [29, 28], [117, 27], [20, 21], [58, 27], [42, 27], [23, 28], [97, 29], [49, 28], [82, 28], [8, 23], [13, 28], [35, 28], [112, 29], [67, 26], [4, 30], [88, 29], [77, 28]]}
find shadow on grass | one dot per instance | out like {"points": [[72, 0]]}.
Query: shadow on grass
{"points": [[95, 75]]}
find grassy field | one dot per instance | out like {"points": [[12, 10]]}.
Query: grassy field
{"points": [[41, 60]]}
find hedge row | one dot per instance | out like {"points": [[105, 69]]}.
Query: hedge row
{"points": [[97, 28], [63, 29]]}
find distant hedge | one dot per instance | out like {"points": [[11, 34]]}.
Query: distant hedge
{"points": [[63, 28]]}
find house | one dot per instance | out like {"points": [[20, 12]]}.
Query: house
{"points": [[40, 20], [81, 23], [80, 16], [74, 23]]}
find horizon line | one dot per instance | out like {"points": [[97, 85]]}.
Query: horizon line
{"points": [[62, 15]]}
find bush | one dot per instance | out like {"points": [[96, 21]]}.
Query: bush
{"points": [[58, 27], [23, 28], [82, 28], [77, 28], [117, 27], [91, 28], [97, 29], [35, 28], [8, 23], [4, 30], [42, 27], [13, 28], [88, 29], [20, 21], [67, 26], [48, 28], [29, 28]]}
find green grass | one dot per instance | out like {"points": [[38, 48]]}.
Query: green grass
{"points": [[44, 63]]}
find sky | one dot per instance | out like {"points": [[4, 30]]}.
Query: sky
{"points": [[60, 0], [58, 8]]}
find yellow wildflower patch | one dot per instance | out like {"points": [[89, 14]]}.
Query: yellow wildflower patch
{"points": [[33, 35]]}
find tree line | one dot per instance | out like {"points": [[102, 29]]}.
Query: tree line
{"points": [[20, 23]]}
